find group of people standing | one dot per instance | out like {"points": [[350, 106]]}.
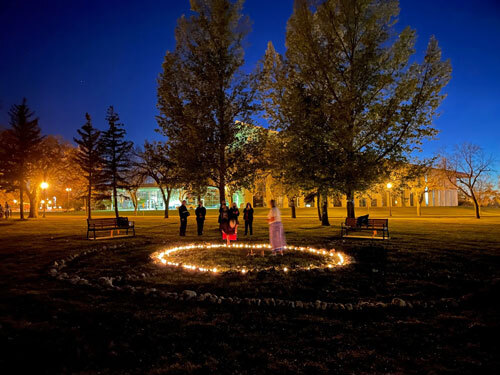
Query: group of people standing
{"points": [[228, 222], [5, 212]]}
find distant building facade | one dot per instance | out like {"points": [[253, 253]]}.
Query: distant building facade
{"points": [[440, 193]]}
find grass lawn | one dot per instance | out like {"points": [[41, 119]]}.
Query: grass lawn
{"points": [[445, 263]]}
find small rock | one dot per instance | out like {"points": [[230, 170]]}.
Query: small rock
{"points": [[106, 281], [53, 272], [299, 304], [213, 299], [398, 302], [188, 294], [349, 307]]}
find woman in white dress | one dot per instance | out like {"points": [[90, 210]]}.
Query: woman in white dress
{"points": [[276, 232]]}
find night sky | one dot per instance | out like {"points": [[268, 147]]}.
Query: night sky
{"points": [[72, 57]]}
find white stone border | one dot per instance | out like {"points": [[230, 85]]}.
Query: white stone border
{"points": [[106, 283]]}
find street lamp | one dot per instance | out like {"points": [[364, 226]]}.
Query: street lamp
{"points": [[44, 187], [68, 189], [389, 186]]}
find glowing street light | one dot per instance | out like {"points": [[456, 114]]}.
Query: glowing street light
{"points": [[44, 187], [389, 186], [68, 189]]}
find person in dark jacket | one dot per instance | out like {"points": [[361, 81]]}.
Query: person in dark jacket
{"points": [[223, 213], [183, 214], [234, 212], [248, 217], [200, 212]]}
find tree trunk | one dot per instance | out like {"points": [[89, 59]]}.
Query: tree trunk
{"points": [[33, 197], [21, 199], [350, 204], [169, 191], [222, 190], [324, 216], [476, 206], [419, 203], [292, 206], [133, 196], [165, 200], [115, 200], [318, 204], [89, 197]]}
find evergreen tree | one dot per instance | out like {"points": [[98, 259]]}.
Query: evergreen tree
{"points": [[116, 153], [202, 91], [88, 158], [349, 102], [20, 149]]}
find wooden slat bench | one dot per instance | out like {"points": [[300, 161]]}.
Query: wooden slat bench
{"points": [[111, 224], [373, 225]]}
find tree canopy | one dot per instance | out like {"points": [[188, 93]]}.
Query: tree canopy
{"points": [[346, 94], [204, 97]]}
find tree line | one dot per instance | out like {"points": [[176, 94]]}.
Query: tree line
{"points": [[348, 106]]}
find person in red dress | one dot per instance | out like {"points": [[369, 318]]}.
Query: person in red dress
{"points": [[229, 230]]}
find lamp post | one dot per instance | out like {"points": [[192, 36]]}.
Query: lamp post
{"points": [[68, 189], [44, 187], [389, 186]]}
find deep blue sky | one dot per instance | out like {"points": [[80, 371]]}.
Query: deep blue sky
{"points": [[71, 57]]}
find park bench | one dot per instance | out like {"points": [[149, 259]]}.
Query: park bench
{"points": [[373, 225], [111, 224]]}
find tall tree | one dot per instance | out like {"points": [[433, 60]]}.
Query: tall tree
{"points": [[347, 91], [468, 169], [47, 167], [156, 163], [135, 177], [203, 90], [116, 153], [20, 149], [88, 158]]}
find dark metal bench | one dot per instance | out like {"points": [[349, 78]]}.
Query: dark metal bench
{"points": [[351, 225], [111, 224]]}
